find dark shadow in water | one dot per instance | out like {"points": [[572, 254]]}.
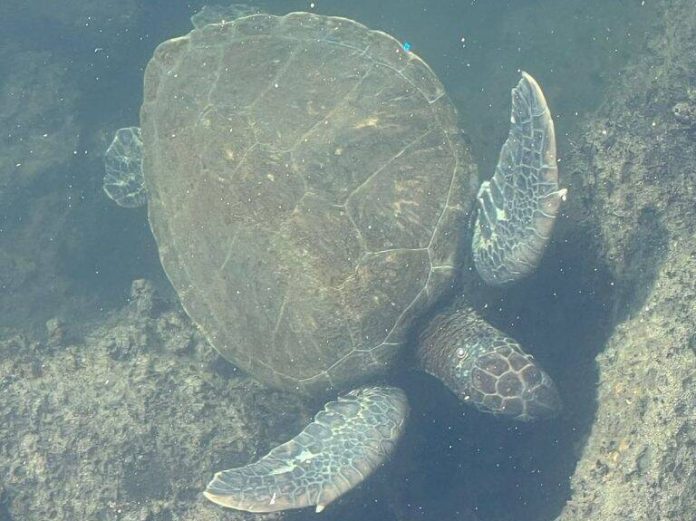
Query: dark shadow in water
{"points": [[561, 315], [510, 471]]}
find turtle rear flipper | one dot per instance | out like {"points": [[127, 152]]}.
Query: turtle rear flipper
{"points": [[123, 162], [344, 444], [518, 205]]}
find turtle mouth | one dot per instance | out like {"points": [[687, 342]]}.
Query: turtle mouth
{"points": [[511, 383]]}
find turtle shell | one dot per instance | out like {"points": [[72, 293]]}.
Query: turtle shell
{"points": [[308, 192]]}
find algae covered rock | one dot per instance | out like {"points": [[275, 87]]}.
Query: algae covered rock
{"points": [[637, 161], [123, 423]]}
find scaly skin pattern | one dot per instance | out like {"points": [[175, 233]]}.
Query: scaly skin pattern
{"points": [[517, 207], [485, 368], [347, 441]]}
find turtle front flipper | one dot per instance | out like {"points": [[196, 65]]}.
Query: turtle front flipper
{"points": [[344, 444], [123, 162], [517, 207]]}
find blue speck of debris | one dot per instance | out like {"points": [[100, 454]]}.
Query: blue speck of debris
{"points": [[406, 46]]}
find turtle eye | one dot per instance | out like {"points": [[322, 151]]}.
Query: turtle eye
{"points": [[461, 353]]}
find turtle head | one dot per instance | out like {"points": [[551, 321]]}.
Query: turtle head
{"points": [[508, 382], [486, 368]]}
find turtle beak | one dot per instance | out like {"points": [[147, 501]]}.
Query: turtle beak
{"points": [[509, 382]]}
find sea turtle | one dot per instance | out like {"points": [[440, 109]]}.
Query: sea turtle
{"points": [[310, 195]]}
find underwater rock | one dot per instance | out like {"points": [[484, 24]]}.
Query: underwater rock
{"points": [[126, 424], [143, 298], [37, 109], [38, 99], [56, 63], [685, 112], [55, 332], [636, 162]]}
